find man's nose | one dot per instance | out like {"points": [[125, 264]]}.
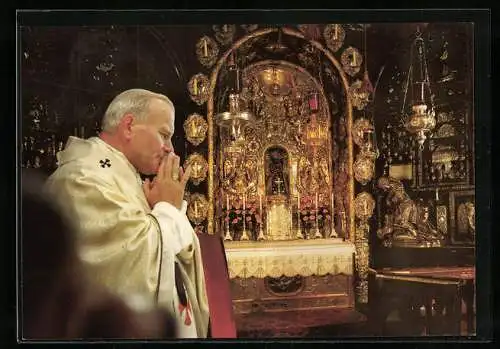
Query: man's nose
{"points": [[168, 147]]}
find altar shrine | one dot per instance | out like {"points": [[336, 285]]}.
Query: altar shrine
{"points": [[281, 189]]}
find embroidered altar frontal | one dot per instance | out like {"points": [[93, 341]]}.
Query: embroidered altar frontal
{"points": [[290, 275]]}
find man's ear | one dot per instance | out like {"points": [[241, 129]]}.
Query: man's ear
{"points": [[126, 124]]}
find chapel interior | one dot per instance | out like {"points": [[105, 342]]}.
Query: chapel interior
{"points": [[335, 162]]}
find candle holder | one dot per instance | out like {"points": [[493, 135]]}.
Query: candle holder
{"points": [[299, 235], [261, 235], [317, 233], [333, 233], [228, 236], [244, 234]]}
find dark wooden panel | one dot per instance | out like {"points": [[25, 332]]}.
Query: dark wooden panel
{"points": [[422, 257]]}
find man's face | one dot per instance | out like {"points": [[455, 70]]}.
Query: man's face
{"points": [[152, 138]]}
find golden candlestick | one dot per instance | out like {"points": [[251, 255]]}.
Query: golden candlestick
{"points": [[333, 233], [298, 230], [261, 236], [317, 234], [228, 236], [244, 235]]}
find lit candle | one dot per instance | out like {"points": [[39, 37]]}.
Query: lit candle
{"points": [[354, 63], [244, 199], [298, 201], [195, 86], [205, 48], [227, 202], [437, 194]]}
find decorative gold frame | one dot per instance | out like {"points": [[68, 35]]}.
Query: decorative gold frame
{"points": [[199, 168], [453, 212], [210, 119]]}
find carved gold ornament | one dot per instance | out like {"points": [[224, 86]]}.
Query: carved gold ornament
{"points": [[195, 128], [359, 96], [446, 130], [199, 168], [351, 60], [364, 169], [198, 88], [444, 155], [334, 36], [197, 208], [361, 127], [364, 205], [442, 219], [207, 51], [224, 33]]}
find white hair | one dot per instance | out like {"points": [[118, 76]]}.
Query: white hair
{"points": [[134, 101]]}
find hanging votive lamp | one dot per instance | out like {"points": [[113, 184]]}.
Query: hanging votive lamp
{"points": [[420, 120]]}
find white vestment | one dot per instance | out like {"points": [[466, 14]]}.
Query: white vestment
{"points": [[124, 244]]}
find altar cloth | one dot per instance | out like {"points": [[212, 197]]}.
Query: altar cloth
{"points": [[289, 258]]}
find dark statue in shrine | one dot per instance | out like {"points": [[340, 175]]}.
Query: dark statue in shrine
{"points": [[406, 222], [277, 178]]}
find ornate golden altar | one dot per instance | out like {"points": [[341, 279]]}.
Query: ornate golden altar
{"points": [[280, 170]]}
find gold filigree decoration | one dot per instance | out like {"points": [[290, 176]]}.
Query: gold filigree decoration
{"points": [[199, 168], [224, 33], [278, 91], [359, 129], [442, 219], [198, 87], [207, 51], [334, 35], [363, 253], [444, 117], [197, 208], [444, 154], [359, 96], [466, 217], [364, 204], [362, 291], [364, 169], [351, 60], [195, 129], [446, 130]]}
